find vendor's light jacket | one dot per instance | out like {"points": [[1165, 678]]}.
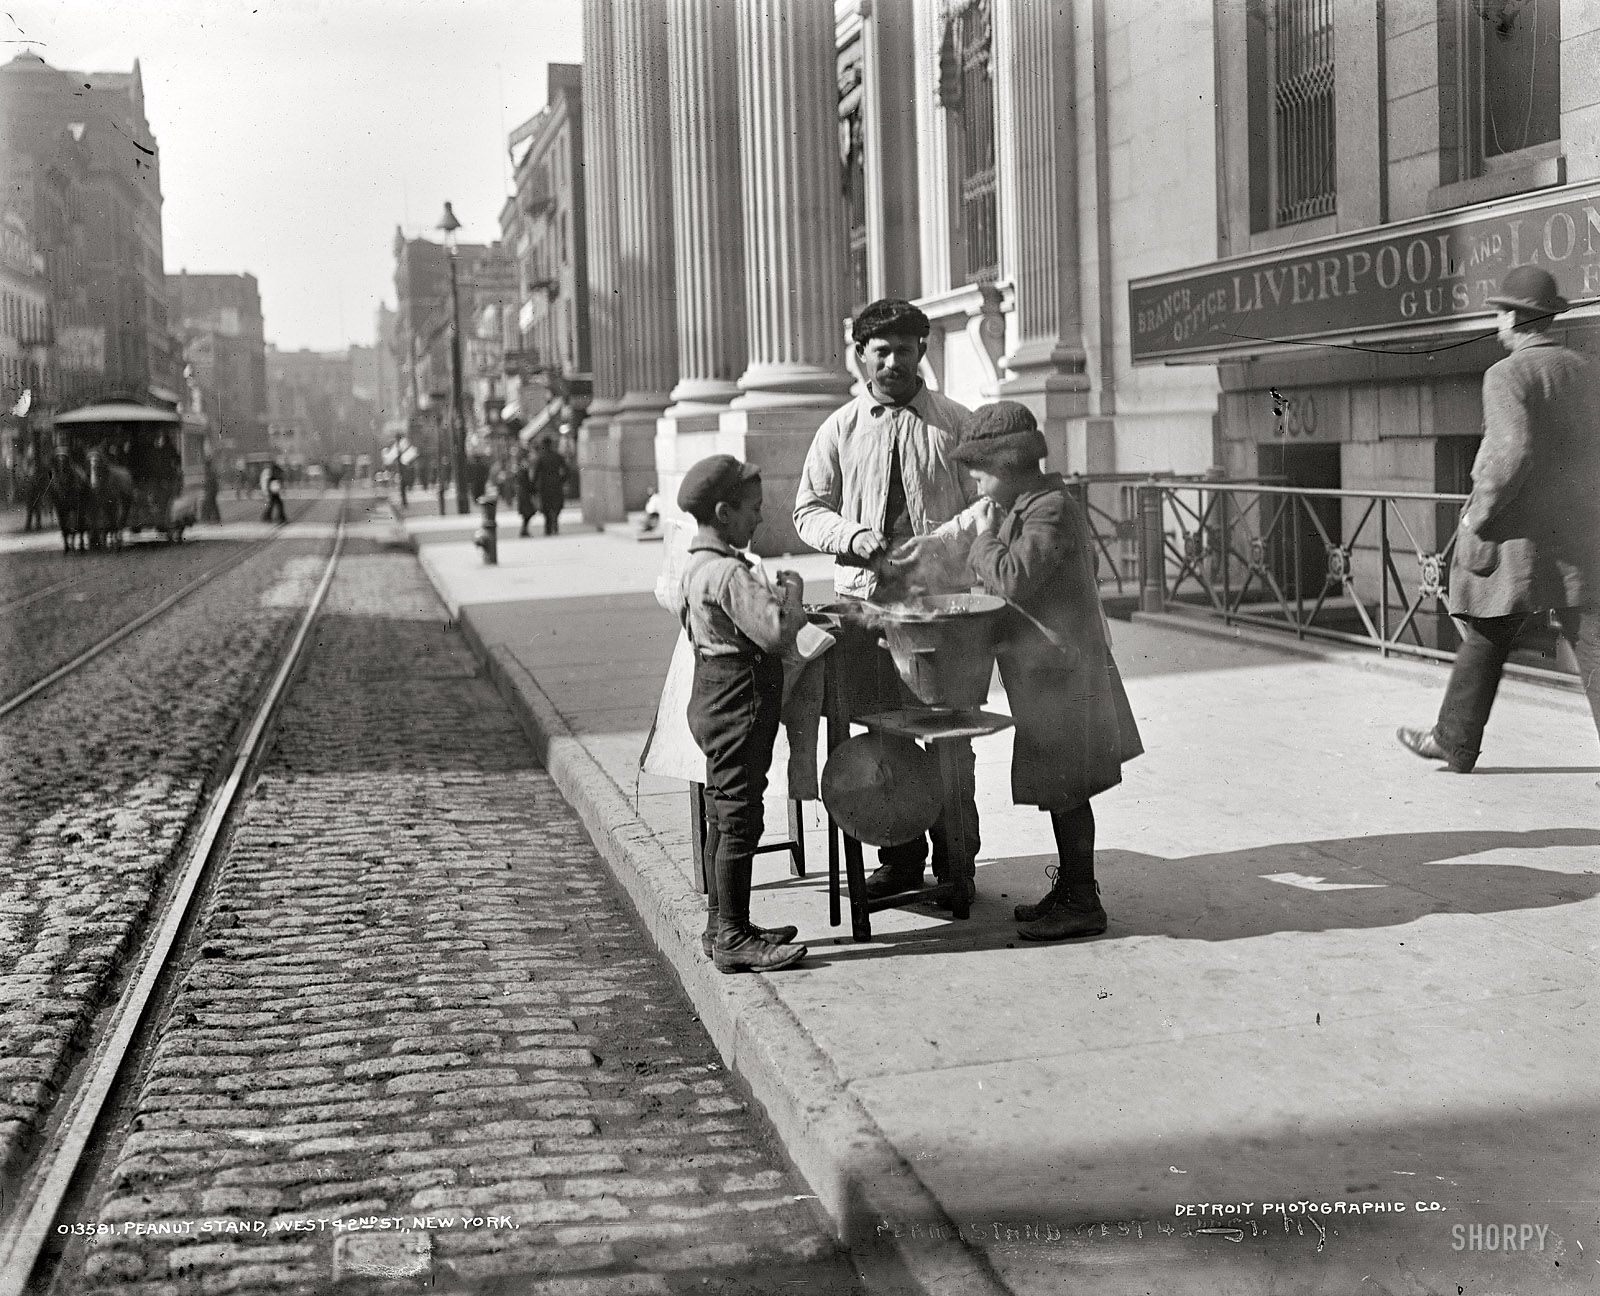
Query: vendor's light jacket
{"points": [[844, 485]]}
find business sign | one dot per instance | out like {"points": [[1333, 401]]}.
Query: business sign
{"points": [[1411, 278]]}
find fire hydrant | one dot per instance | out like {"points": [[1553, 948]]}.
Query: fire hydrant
{"points": [[486, 537]]}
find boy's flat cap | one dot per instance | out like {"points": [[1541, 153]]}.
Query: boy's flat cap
{"points": [[1005, 430], [718, 479]]}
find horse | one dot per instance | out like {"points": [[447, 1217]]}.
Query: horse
{"points": [[111, 498], [69, 493]]}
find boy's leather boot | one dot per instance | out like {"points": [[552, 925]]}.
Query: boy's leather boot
{"points": [[708, 938], [1027, 913], [1077, 912], [772, 935], [740, 945]]}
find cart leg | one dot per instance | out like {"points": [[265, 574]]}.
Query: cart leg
{"points": [[833, 873], [856, 875], [797, 836], [960, 862]]}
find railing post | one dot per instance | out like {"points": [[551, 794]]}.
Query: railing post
{"points": [[1152, 551]]}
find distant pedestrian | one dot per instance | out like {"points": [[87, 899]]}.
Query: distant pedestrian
{"points": [[1074, 729], [526, 499], [1529, 537], [550, 484], [739, 629], [272, 488], [209, 512]]}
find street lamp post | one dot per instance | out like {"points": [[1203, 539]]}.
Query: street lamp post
{"points": [[458, 428]]}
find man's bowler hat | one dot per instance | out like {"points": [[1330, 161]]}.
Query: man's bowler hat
{"points": [[1532, 289]]}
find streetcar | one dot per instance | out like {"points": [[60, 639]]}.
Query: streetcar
{"points": [[119, 466]]}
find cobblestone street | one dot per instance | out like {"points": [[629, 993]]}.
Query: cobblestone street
{"points": [[100, 775], [416, 996]]}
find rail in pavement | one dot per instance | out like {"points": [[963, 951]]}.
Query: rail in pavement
{"points": [[1334, 976]]}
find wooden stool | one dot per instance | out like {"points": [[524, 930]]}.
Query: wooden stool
{"points": [[940, 731], [698, 832]]}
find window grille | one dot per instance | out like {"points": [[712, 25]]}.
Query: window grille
{"points": [[968, 46], [1302, 110]]}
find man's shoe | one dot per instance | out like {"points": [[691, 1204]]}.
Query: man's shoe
{"points": [[772, 935], [892, 879], [1077, 913], [749, 953], [1426, 745]]}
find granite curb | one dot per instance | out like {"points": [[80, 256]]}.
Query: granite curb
{"points": [[858, 1176]]}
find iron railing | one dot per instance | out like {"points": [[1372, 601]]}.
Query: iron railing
{"points": [[1369, 568]]}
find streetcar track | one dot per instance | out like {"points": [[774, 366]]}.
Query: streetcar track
{"points": [[56, 1168], [28, 600], [43, 684]]}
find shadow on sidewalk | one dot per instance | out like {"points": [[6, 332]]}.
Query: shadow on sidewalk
{"points": [[1393, 879]]}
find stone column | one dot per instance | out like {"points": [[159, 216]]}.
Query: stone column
{"points": [[703, 87], [890, 120], [644, 241], [600, 472], [933, 159], [1035, 86], [794, 247]]}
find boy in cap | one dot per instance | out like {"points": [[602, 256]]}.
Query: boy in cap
{"points": [[740, 629], [1032, 545]]}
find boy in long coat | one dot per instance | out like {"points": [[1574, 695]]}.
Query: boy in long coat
{"points": [[1032, 545]]}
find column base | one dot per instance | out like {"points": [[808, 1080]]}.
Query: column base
{"points": [[616, 462], [1057, 392], [776, 440], [682, 440]]}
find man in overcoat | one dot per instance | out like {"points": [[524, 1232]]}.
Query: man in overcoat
{"points": [[879, 474], [1529, 537]]}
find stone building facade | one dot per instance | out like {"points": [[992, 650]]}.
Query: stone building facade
{"points": [[1378, 169], [218, 317], [758, 171], [548, 380], [80, 155]]}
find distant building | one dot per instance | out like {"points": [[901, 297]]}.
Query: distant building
{"points": [[485, 276], [87, 166], [24, 324], [315, 413], [548, 379], [218, 318]]}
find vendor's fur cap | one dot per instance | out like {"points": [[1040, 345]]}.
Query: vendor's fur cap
{"points": [[1004, 433]]}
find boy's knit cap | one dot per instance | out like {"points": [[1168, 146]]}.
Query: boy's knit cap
{"points": [[1005, 430]]}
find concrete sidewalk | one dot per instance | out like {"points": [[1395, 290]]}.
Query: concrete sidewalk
{"points": [[1345, 1004]]}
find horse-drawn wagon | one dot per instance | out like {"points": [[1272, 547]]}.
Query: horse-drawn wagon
{"points": [[116, 468]]}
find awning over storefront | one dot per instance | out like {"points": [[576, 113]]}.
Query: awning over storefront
{"points": [[118, 412], [1402, 284], [551, 410]]}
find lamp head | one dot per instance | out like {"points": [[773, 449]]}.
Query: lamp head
{"points": [[449, 224]]}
